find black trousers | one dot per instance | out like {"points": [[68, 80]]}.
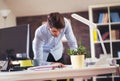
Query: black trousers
{"points": [[51, 59]]}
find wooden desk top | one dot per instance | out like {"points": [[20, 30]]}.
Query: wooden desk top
{"points": [[62, 73]]}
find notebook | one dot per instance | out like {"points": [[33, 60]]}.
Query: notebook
{"points": [[3, 65]]}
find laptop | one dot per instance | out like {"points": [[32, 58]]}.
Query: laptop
{"points": [[104, 60]]}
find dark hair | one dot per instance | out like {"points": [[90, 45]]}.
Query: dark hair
{"points": [[56, 20]]}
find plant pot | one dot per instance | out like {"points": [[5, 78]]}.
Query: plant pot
{"points": [[77, 61]]}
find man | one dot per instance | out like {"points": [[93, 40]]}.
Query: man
{"points": [[47, 43]]}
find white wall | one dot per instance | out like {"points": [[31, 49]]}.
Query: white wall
{"points": [[11, 19]]}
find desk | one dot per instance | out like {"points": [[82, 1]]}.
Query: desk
{"points": [[76, 74]]}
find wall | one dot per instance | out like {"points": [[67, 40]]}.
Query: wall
{"points": [[11, 19]]}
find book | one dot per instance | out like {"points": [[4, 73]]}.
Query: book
{"points": [[100, 17], [95, 36], [103, 18], [117, 34], [115, 17], [113, 35], [105, 35]]}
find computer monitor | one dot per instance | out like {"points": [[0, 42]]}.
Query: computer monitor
{"points": [[15, 40]]}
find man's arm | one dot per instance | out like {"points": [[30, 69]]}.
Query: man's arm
{"points": [[72, 42], [38, 49]]}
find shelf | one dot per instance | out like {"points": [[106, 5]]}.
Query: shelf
{"points": [[106, 41], [115, 40], [107, 19], [102, 24]]}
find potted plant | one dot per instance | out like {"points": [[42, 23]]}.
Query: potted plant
{"points": [[77, 56]]}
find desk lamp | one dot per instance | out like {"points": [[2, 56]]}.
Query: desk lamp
{"points": [[91, 26]]}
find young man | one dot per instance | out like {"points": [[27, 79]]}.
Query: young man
{"points": [[47, 43]]}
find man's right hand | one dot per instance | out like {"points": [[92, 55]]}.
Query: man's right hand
{"points": [[58, 64]]}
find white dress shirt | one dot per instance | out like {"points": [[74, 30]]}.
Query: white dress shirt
{"points": [[44, 43]]}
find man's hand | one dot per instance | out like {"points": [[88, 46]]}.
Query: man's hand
{"points": [[58, 64]]}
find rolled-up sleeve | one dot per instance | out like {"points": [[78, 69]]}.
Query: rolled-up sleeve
{"points": [[38, 43]]}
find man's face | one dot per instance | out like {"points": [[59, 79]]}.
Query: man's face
{"points": [[55, 32]]}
